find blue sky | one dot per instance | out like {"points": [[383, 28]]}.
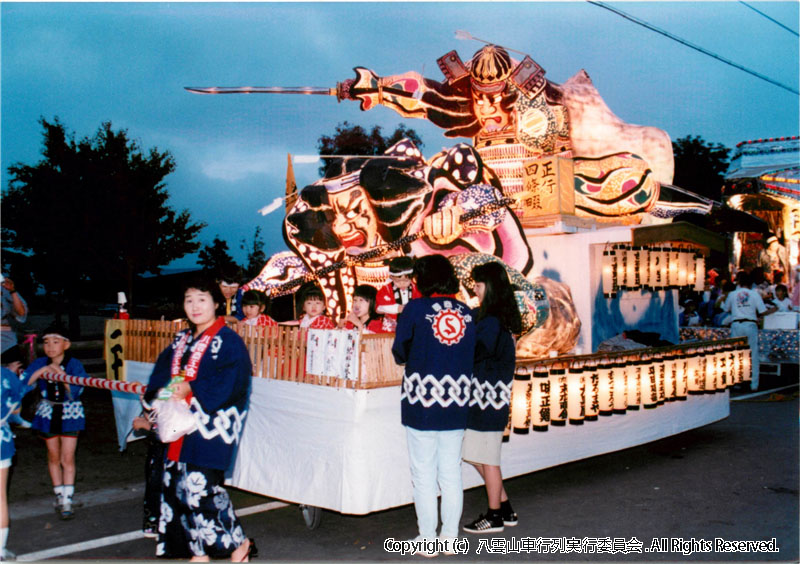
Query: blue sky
{"points": [[128, 63]]}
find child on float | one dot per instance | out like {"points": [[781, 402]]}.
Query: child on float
{"points": [[13, 390], [254, 303], [312, 302], [59, 416], [363, 316], [782, 300], [435, 342], [394, 296], [498, 320]]}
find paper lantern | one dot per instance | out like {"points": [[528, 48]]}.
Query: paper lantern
{"points": [[576, 395], [685, 263], [710, 386], [558, 396], [697, 373], [619, 381], [670, 375], [691, 271], [644, 267], [648, 381], [747, 364], [683, 374], [722, 368], [673, 267], [655, 270], [633, 368], [663, 265], [592, 377], [540, 401], [738, 364], [609, 274], [631, 268], [661, 375], [605, 387], [699, 273], [521, 404], [622, 267]]}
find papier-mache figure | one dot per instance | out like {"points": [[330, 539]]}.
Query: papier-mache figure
{"points": [[514, 115], [376, 208]]}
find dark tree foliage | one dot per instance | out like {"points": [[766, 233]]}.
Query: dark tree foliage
{"points": [[354, 140], [215, 259], [255, 254], [95, 209], [700, 166]]}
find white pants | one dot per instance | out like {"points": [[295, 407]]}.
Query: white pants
{"points": [[435, 458], [750, 330]]}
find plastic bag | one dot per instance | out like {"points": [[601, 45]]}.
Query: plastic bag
{"points": [[174, 419]]}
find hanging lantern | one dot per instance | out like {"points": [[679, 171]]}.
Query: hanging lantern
{"points": [[673, 267], [634, 379], [747, 364], [683, 374], [710, 386], [722, 368], [739, 364], [684, 265], [697, 376], [670, 375], [540, 403], [661, 375], [520, 404], [558, 396], [576, 394], [644, 267], [646, 371], [619, 381], [699, 273], [663, 265], [592, 378], [622, 267], [631, 268], [691, 270], [609, 273], [655, 272], [605, 387]]}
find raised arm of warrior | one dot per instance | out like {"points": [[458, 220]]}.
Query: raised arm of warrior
{"points": [[410, 95]]}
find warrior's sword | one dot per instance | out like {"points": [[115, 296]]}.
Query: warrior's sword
{"points": [[319, 90]]}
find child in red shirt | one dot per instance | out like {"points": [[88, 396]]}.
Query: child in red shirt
{"points": [[393, 297], [363, 315], [313, 317], [254, 303]]}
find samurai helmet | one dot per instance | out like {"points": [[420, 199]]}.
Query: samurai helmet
{"points": [[490, 66]]}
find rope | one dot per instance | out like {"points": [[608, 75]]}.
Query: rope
{"points": [[102, 383]]}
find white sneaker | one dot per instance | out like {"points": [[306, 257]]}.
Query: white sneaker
{"points": [[448, 544]]}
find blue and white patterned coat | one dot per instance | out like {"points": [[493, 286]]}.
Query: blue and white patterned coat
{"points": [[13, 390], [67, 402], [435, 340], [221, 393]]}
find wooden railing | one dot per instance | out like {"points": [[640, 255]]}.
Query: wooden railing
{"points": [[278, 352]]}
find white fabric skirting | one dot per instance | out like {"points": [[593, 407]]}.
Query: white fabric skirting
{"points": [[345, 450]]}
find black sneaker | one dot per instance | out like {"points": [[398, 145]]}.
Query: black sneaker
{"points": [[485, 524], [510, 518], [150, 529]]}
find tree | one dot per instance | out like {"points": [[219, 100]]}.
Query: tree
{"points": [[255, 254], [354, 140], [215, 259], [700, 166], [95, 209]]}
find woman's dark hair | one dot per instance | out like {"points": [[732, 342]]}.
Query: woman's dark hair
{"points": [[204, 285], [498, 298], [435, 275], [370, 294], [744, 279]]}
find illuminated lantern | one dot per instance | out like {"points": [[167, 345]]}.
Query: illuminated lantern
{"points": [[540, 403], [619, 381], [699, 273], [747, 364], [655, 271], [673, 267], [661, 375], [644, 267], [631, 268], [691, 272], [592, 378], [622, 267], [605, 395], [633, 368], [646, 371], [722, 368], [670, 375], [685, 263], [576, 395], [683, 374], [712, 371], [697, 375], [558, 396], [609, 274], [663, 265], [739, 364], [521, 404]]}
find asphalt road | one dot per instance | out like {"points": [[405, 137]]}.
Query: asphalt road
{"points": [[734, 480]]}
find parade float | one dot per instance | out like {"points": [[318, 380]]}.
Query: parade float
{"points": [[553, 185]]}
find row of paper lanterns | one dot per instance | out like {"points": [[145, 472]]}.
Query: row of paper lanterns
{"points": [[626, 267], [557, 392]]}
